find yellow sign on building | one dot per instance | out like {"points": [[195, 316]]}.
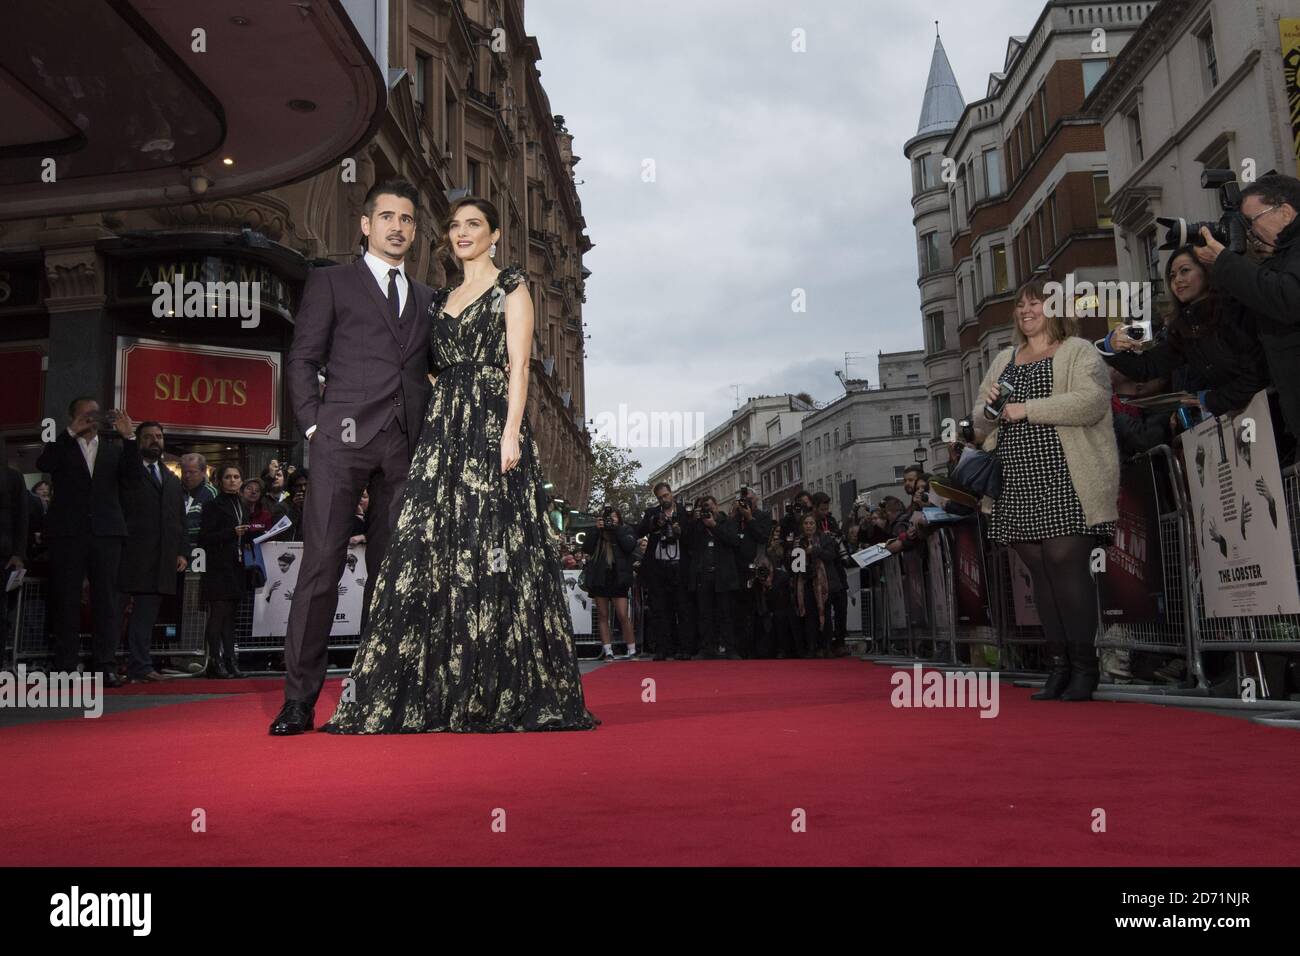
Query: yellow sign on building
{"points": [[1291, 76]]}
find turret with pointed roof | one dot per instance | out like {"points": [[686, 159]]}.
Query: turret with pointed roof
{"points": [[943, 104]]}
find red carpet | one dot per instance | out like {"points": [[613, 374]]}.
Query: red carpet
{"points": [[709, 774]]}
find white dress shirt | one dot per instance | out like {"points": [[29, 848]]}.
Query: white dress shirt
{"points": [[379, 269], [89, 449]]}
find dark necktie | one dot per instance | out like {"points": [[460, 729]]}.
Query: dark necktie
{"points": [[394, 301], [157, 478]]}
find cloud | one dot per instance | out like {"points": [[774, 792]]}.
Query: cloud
{"points": [[774, 171]]}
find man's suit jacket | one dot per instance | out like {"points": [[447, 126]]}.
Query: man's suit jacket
{"points": [[13, 516], [80, 503], [155, 525], [373, 365]]}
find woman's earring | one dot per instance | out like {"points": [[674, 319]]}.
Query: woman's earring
{"points": [[493, 251]]}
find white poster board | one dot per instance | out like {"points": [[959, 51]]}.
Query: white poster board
{"points": [[853, 610], [271, 601], [1243, 536], [580, 604]]}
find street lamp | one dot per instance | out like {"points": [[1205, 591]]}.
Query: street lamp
{"points": [[921, 453]]}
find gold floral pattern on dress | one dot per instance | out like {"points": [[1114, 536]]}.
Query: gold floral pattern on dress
{"points": [[469, 627]]}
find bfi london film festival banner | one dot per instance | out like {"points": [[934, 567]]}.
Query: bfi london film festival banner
{"points": [[1239, 515], [271, 600], [1132, 586]]}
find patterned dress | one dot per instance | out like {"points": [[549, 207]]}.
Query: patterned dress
{"points": [[469, 627], [1038, 499]]}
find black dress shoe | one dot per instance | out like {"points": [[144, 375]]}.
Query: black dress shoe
{"points": [[295, 717], [111, 679], [233, 670]]}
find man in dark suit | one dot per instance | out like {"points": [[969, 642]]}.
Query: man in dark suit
{"points": [[663, 573], [85, 527], [753, 527], [155, 551], [367, 327], [712, 541]]}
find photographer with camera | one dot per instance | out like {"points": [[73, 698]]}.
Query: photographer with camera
{"points": [[663, 574], [1212, 348], [795, 509], [1048, 415], [837, 578], [754, 528], [608, 576], [712, 541], [1270, 288]]}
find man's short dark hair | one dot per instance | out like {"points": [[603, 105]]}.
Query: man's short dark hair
{"points": [[149, 424], [401, 188], [803, 493], [916, 468], [299, 477], [79, 400], [662, 484], [1274, 190], [821, 498]]}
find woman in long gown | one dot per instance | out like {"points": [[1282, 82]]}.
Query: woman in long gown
{"points": [[469, 627]]}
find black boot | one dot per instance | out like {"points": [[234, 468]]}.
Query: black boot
{"points": [[1058, 676], [232, 668], [216, 669], [1085, 673]]}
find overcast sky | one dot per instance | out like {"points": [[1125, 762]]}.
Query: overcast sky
{"points": [[773, 171]]}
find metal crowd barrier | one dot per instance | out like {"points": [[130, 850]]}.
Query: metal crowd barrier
{"points": [[899, 617]]}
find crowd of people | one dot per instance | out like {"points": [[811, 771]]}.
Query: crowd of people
{"points": [[115, 530]]}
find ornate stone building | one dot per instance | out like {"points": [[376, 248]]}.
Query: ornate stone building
{"points": [[466, 114]]}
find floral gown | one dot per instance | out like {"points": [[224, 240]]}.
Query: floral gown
{"points": [[469, 627]]}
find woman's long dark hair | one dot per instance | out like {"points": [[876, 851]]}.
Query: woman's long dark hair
{"points": [[442, 252], [1178, 315]]}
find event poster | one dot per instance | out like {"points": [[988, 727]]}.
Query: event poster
{"points": [[271, 601], [1022, 592], [579, 603], [1132, 585], [1239, 515], [968, 574]]}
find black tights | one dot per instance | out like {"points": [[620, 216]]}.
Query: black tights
{"points": [[1064, 591]]}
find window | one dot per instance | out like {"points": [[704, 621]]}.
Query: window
{"points": [[1151, 260], [934, 325], [898, 472], [423, 69], [798, 469], [961, 300], [1042, 110], [1100, 192], [1209, 62], [837, 439], [1043, 246], [979, 278], [913, 378], [1093, 71], [1051, 211], [848, 431], [923, 172], [472, 180], [1001, 278], [896, 424], [942, 408], [1135, 135], [839, 478], [992, 173], [1020, 148], [929, 253], [819, 446], [913, 423], [1029, 125]]}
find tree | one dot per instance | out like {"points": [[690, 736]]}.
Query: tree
{"points": [[613, 480]]}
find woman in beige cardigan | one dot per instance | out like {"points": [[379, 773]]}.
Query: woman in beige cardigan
{"points": [[1060, 480]]}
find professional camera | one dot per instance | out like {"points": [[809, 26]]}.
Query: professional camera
{"points": [[1229, 230], [966, 431]]}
